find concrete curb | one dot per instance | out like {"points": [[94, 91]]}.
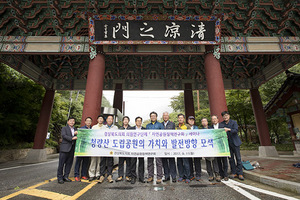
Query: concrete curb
{"points": [[274, 182]]}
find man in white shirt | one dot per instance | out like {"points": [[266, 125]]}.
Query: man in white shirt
{"points": [[94, 170], [107, 161], [222, 161]]}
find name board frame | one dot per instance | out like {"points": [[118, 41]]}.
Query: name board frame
{"points": [[94, 19]]}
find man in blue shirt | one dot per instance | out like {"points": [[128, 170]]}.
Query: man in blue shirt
{"points": [[231, 128], [82, 160], [154, 124]]}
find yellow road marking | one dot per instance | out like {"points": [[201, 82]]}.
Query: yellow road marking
{"points": [[84, 190], [45, 194], [21, 191]]}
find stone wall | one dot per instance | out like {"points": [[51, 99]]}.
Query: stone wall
{"points": [[16, 154]]}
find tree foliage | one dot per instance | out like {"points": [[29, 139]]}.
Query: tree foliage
{"points": [[20, 104], [177, 103], [240, 108]]}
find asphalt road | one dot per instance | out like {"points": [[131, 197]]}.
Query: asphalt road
{"points": [[32, 182]]}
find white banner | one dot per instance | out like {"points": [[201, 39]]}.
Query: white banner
{"points": [[152, 143]]}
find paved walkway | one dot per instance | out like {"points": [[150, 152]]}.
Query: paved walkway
{"points": [[275, 171]]}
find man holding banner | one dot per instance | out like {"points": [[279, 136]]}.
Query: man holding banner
{"points": [[83, 160], [66, 154], [194, 162], [231, 128], [107, 162], [183, 164], [125, 126], [222, 161], [169, 163], [94, 171], [133, 161], [154, 124], [211, 162]]}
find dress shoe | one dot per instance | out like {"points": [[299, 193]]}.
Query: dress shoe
{"points": [[211, 178], [119, 179], [174, 180], [232, 176], [128, 179], [241, 177], [158, 181], [60, 181], [167, 179], [101, 179], [141, 180], [67, 180], [218, 178], [226, 178], [133, 179], [77, 179], [150, 179], [109, 179]]}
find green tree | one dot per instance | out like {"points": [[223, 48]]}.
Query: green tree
{"points": [[277, 125], [177, 103], [200, 114], [68, 103], [20, 104], [240, 108]]}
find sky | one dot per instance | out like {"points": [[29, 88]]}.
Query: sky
{"points": [[141, 103]]}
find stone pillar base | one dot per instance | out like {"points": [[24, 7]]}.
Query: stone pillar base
{"points": [[268, 151], [36, 156], [296, 153]]}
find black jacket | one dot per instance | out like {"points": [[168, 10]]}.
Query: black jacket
{"points": [[170, 125], [134, 127], [67, 141]]}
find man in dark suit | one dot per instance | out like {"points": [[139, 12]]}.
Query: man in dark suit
{"points": [[231, 128], [125, 126], [222, 161], [169, 163], [133, 161], [212, 167], [194, 162], [66, 155]]}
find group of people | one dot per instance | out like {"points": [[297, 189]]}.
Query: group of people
{"points": [[96, 168]]}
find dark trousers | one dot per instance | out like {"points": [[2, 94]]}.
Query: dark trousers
{"points": [[106, 163], [223, 166], [183, 166], [197, 163], [235, 164], [169, 167], [65, 163], [141, 168], [212, 167], [84, 161], [121, 166]]}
